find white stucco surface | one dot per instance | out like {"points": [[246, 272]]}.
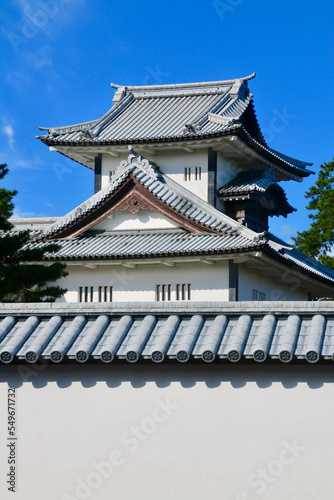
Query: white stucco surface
{"points": [[125, 220], [208, 282], [184, 432], [171, 163], [288, 287]]}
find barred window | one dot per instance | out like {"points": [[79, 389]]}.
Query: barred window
{"points": [[86, 294], [105, 293], [183, 291], [257, 295], [163, 292], [198, 173]]}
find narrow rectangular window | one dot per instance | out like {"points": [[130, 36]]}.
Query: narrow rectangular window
{"points": [[163, 292], [91, 294], [257, 295], [80, 294], [187, 174], [111, 175], [86, 294], [198, 173], [105, 293], [183, 291]]}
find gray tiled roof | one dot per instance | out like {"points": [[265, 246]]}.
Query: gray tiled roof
{"points": [[163, 111], [157, 332], [174, 112], [135, 244], [293, 256], [144, 244], [249, 181]]}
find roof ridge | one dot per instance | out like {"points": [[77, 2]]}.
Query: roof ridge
{"points": [[182, 85]]}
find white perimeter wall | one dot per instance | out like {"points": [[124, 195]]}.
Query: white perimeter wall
{"points": [[208, 282], [220, 432]]}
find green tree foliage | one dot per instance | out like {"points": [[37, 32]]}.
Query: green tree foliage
{"points": [[22, 277], [318, 240]]}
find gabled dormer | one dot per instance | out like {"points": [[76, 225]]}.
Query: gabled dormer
{"points": [[251, 197]]}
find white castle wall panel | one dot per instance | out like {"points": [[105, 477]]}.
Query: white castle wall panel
{"points": [[208, 282]]}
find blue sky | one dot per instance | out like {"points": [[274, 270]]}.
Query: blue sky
{"points": [[58, 58]]}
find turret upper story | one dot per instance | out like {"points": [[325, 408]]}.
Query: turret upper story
{"points": [[204, 136]]}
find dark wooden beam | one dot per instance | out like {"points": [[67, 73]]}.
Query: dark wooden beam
{"points": [[98, 173], [212, 176]]}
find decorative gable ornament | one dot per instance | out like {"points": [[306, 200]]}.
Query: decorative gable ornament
{"points": [[138, 161]]}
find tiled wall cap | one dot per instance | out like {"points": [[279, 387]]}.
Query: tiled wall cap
{"points": [[31, 357], [312, 356], [208, 356], [81, 356], [182, 356], [234, 356], [107, 356], [132, 356], [157, 356], [285, 356], [259, 356], [6, 356], [56, 356]]}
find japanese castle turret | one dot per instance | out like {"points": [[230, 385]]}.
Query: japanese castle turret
{"points": [[185, 185]]}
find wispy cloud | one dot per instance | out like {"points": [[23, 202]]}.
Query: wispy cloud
{"points": [[287, 229], [15, 158], [40, 17], [19, 214], [8, 130], [39, 59]]}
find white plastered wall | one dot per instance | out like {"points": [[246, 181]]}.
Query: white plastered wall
{"points": [[208, 282], [171, 163], [190, 432], [288, 287], [125, 220], [226, 171]]}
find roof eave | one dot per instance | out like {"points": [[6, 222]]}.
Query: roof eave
{"points": [[234, 130]]}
